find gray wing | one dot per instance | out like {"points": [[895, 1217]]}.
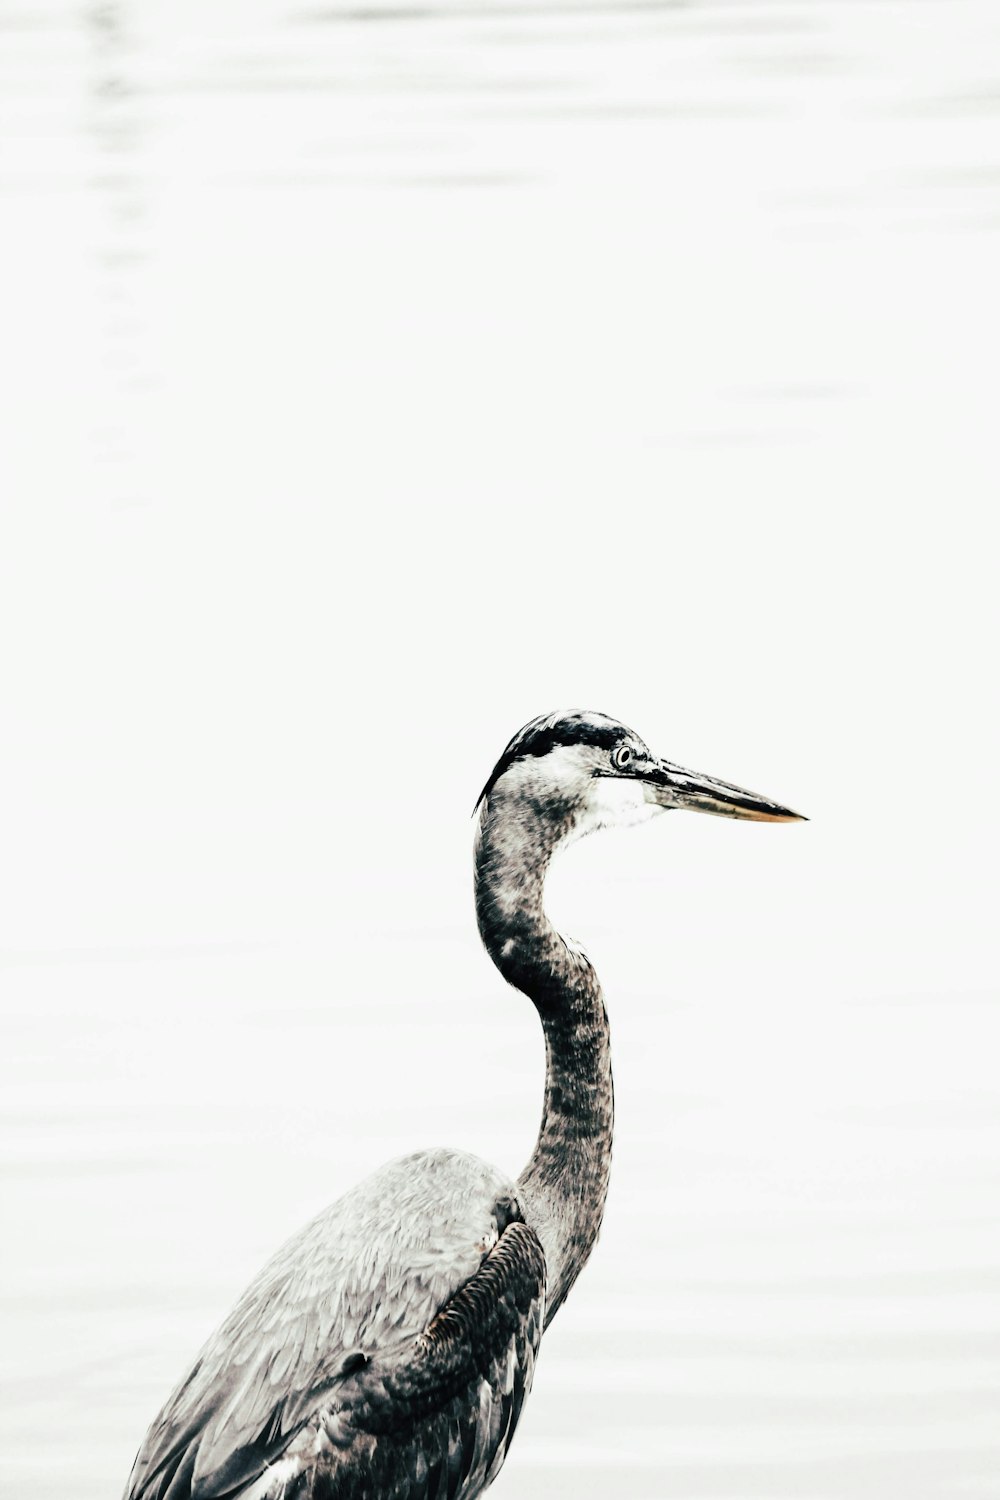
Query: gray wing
{"points": [[396, 1334], [433, 1420]]}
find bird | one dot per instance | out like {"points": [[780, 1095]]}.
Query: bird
{"points": [[386, 1351]]}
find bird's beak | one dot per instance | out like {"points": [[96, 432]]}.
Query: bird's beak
{"points": [[667, 785]]}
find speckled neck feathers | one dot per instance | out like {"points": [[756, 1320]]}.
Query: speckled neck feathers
{"points": [[563, 1188]]}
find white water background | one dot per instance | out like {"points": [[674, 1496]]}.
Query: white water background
{"points": [[374, 377]]}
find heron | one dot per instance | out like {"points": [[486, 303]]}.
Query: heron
{"points": [[387, 1349]]}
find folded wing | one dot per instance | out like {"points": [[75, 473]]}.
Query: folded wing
{"points": [[385, 1350]]}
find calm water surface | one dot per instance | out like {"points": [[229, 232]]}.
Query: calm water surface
{"points": [[797, 1292]]}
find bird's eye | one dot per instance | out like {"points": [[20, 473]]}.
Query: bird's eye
{"points": [[621, 757]]}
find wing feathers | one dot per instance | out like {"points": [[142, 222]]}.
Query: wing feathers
{"points": [[379, 1340], [470, 1371]]}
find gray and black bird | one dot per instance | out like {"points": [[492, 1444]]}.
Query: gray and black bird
{"points": [[387, 1349]]}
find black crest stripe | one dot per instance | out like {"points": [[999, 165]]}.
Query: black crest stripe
{"points": [[549, 731]]}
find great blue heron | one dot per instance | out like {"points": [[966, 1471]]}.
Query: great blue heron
{"points": [[387, 1349]]}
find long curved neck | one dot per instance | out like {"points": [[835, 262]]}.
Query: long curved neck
{"points": [[564, 1185]]}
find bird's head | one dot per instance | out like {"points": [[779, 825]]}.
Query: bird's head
{"points": [[582, 771]]}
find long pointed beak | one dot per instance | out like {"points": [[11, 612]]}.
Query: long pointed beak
{"points": [[668, 785]]}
